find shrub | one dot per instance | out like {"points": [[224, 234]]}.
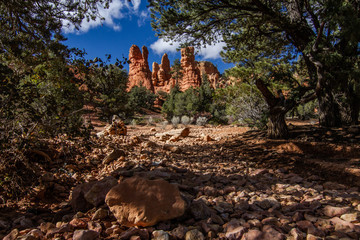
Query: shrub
{"points": [[201, 121], [133, 122], [140, 98], [169, 104], [36, 103], [107, 90], [185, 120], [150, 121], [244, 104], [306, 111], [164, 124], [192, 102], [251, 110], [192, 120], [175, 121]]}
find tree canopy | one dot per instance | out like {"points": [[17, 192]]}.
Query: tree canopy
{"points": [[325, 34], [28, 28], [39, 76]]}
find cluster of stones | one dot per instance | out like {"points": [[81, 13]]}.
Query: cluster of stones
{"points": [[160, 79], [138, 208], [117, 127], [195, 195]]}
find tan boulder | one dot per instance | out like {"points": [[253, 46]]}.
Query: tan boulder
{"points": [[114, 155], [134, 140], [174, 139], [194, 234], [172, 148], [12, 235], [175, 134], [208, 138], [332, 211], [140, 202], [85, 235]]}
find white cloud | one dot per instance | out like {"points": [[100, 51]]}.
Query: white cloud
{"points": [[136, 4], [207, 52], [118, 9], [143, 16], [161, 46], [212, 51]]}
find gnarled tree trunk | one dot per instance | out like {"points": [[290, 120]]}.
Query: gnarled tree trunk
{"points": [[277, 128], [278, 107], [355, 109], [354, 102], [329, 111]]}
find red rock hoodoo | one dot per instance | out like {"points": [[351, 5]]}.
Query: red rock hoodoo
{"points": [[161, 75], [164, 72], [139, 71], [191, 74], [154, 75]]}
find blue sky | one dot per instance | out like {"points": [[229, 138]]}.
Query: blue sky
{"points": [[128, 23]]}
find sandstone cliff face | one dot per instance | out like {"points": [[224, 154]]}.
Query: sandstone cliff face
{"points": [[211, 71], [191, 73], [160, 78], [139, 71], [154, 75]]}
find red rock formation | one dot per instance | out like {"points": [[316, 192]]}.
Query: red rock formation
{"points": [[164, 73], [211, 71], [154, 75], [161, 74], [139, 72], [160, 78], [191, 74]]}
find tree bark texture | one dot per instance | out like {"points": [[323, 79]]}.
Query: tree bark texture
{"points": [[277, 127], [355, 109], [329, 111], [354, 104]]}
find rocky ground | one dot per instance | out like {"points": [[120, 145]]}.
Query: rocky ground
{"points": [[234, 183]]}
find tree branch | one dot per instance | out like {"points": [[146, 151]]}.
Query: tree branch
{"points": [[308, 98], [313, 17], [315, 47], [269, 97]]}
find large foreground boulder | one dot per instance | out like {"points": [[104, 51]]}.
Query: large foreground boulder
{"points": [[140, 202]]}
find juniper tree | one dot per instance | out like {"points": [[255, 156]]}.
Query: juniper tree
{"points": [[40, 75], [325, 33]]}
